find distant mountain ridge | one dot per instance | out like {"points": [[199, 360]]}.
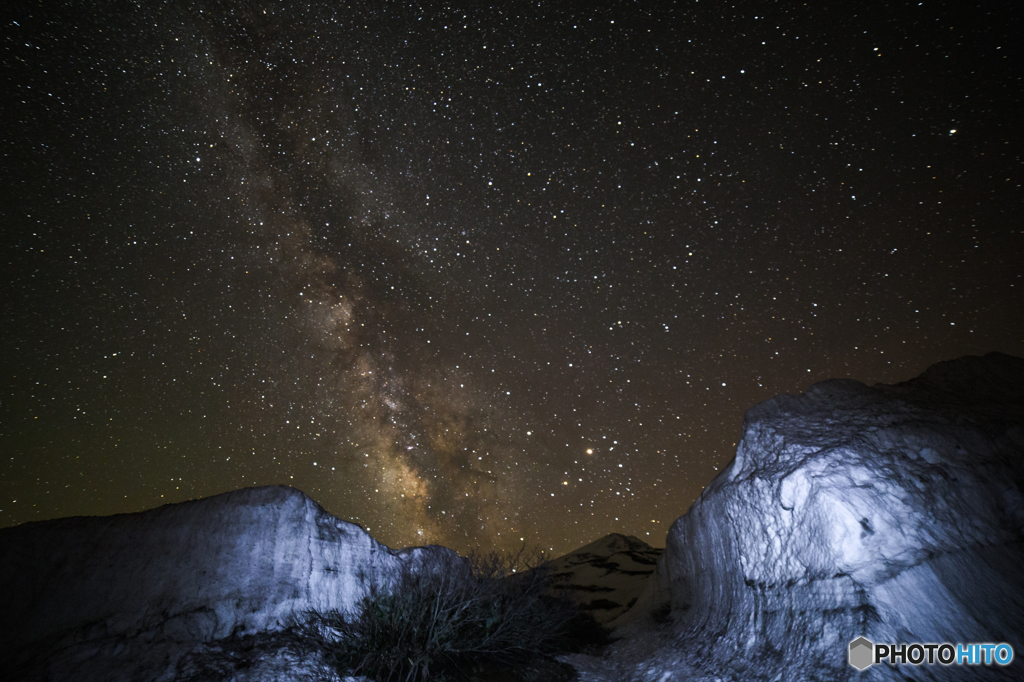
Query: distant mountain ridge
{"points": [[607, 576]]}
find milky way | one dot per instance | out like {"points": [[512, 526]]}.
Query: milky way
{"points": [[481, 276]]}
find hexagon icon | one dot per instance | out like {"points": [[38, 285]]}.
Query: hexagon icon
{"points": [[862, 653]]}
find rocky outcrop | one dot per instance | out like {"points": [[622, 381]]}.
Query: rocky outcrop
{"points": [[891, 512], [125, 597]]}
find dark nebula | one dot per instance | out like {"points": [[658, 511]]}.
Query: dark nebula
{"points": [[482, 275]]}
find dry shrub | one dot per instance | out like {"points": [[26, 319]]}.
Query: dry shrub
{"points": [[439, 620]]}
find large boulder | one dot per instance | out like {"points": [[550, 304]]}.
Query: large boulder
{"points": [[889, 512], [128, 596]]}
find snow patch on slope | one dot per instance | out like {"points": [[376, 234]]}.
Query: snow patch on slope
{"points": [[607, 576]]}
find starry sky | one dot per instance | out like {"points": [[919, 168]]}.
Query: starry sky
{"points": [[482, 275]]}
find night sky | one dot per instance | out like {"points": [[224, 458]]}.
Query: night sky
{"points": [[482, 275]]}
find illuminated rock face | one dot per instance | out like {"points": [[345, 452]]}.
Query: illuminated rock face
{"points": [[892, 512], [122, 597]]}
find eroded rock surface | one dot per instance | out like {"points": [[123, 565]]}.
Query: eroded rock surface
{"points": [[127, 596], [892, 512]]}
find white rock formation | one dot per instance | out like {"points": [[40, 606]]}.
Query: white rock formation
{"points": [[892, 512], [124, 597]]}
